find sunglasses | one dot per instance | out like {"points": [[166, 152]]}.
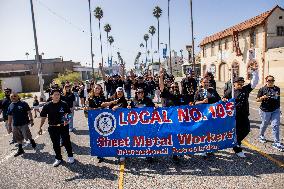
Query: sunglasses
{"points": [[272, 80], [174, 87]]}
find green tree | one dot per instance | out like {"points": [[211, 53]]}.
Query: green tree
{"points": [[107, 29], [152, 31], [98, 12], [110, 40], [157, 12], [146, 38]]}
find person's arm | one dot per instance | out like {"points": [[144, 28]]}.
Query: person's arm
{"points": [[255, 79], [41, 124], [161, 81], [106, 104], [102, 71], [31, 118], [260, 97]]}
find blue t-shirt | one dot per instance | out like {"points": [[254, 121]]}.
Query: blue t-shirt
{"points": [[19, 111]]}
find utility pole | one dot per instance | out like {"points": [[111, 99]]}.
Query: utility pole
{"points": [[91, 33], [171, 69], [38, 59], [192, 38]]}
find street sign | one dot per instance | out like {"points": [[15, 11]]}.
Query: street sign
{"points": [[164, 53]]}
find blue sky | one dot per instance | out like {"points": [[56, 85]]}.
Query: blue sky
{"points": [[60, 25]]}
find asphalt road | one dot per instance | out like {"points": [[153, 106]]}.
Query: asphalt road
{"points": [[224, 170]]}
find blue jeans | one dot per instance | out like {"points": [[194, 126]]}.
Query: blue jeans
{"points": [[76, 98], [71, 126], [274, 119], [128, 93]]}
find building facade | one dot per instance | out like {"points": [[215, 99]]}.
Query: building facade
{"points": [[257, 40]]}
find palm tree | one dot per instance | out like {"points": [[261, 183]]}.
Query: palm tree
{"points": [[110, 40], [107, 29], [98, 12], [27, 54], [157, 12], [152, 31], [146, 37]]}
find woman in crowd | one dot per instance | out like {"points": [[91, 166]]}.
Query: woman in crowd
{"points": [[69, 98], [82, 94], [140, 101], [95, 100], [114, 102], [75, 90], [206, 95]]}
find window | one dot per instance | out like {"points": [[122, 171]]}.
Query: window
{"points": [[213, 49], [252, 37], [226, 44], [220, 46], [280, 30], [204, 52], [280, 17]]}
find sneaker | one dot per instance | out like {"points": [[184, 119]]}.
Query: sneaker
{"points": [[19, 152], [262, 139], [101, 159], [71, 130], [56, 163], [204, 154], [12, 142], [278, 146], [71, 160], [241, 154]]}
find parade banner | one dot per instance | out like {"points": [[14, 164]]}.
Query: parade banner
{"points": [[175, 130]]}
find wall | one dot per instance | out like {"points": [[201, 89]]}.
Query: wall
{"points": [[30, 83], [274, 41], [13, 83]]}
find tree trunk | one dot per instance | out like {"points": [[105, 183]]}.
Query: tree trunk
{"points": [[101, 43]]}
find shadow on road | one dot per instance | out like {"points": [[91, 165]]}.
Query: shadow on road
{"points": [[222, 164], [90, 171], [81, 132]]}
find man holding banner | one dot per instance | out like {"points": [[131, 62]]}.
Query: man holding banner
{"points": [[241, 94]]}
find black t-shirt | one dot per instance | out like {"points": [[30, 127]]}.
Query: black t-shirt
{"points": [[55, 111], [19, 111], [127, 84], [108, 85], [35, 103], [212, 83], [5, 103], [143, 86], [189, 85], [151, 86], [122, 102], [210, 93], [145, 102], [75, 89], [241, 96], [171, 99], [69, 98], [273, 101], [96, 101]]}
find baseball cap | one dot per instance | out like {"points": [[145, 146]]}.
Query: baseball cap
{"points": [[239, 79], [119, 89]]}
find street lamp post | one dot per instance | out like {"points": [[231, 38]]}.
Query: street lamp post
{"points": [[192, 38], [91, 33], [38, 61], [171, 69]]}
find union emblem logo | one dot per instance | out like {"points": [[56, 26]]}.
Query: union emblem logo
{"points": [[105, 124]]}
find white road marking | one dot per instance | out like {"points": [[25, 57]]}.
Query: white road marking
{"points": [[12, 154]]}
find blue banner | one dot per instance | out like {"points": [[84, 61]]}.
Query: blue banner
{"points": [[178, 130]]}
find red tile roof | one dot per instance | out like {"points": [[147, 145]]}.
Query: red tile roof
{"points": [[255, 21]]}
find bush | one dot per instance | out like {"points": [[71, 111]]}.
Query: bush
{"points": [[68, 75], [2, 95]]}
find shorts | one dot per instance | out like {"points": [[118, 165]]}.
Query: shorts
{"points": [[21, 132], [36, 107]]}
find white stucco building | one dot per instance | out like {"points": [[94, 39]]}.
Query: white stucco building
{"points": [[259, 39]]}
